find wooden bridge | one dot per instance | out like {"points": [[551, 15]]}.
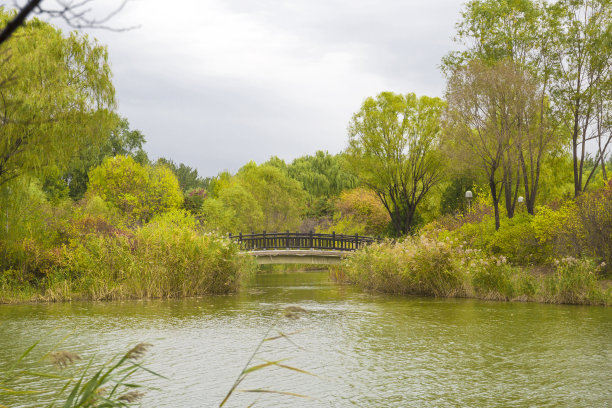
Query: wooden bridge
{"points": [[300, 248]]}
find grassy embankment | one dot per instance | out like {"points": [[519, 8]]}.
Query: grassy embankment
{"points": [[166, 258], [428, 267]]}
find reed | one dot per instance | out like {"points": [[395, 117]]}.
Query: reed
{"points": [[428, 267]]}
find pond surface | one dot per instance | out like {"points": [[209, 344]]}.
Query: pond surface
{"points": [[365, 350]]}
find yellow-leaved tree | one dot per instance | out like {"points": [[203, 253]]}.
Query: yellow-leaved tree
{"points": [[138, 191]]}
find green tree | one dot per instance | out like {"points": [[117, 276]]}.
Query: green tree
{"points": [[359, 211], [56, 94], [244, 208], [497, 32], [281, 198], [581, 31], [321, 174], [118, 140], [393, 149], [188, 177], [137, 191]]}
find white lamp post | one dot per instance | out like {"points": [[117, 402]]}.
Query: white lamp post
{"points": [[468, 197]]}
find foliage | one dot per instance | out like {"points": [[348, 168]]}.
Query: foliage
{"points": [[453, 197], [359, 211], [194, 199], [108, 386], [119, 140], [168, 257], [188, 177], [56, 97], [425, 266], [282, 200], [321, 174], [392, 149], [137, 191], [491, 121]]}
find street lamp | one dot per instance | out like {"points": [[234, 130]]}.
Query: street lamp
{"points": [[468, 197]]}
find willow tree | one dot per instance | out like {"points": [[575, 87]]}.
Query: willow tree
{"points": [[55, 98], [393, 149]]}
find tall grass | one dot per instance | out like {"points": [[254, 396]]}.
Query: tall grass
{"points": [[428, 267], [166, 258], [86, 385]]}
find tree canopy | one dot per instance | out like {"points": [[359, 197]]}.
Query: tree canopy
{"points": [[56, 96], [393, 149]]}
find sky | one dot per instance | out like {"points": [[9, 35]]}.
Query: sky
{"points": [[217, 83]]}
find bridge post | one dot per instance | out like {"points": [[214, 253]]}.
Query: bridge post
{"points": [[264, 241], [311, 241], [287, 239], [333, 239], [356, 241]]}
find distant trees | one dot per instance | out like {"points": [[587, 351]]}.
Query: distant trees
{"points": [[393, 149], [187, 176]]}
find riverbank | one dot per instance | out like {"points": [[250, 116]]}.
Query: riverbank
{"points": [[428, 267], [166, 258]]}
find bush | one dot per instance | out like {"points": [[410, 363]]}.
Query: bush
{"points": [[166, 258], [137, 191], [423, 266]]}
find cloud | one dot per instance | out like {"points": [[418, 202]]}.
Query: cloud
{"points": [[217, 83]]}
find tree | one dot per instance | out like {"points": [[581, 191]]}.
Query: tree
{"points": [[359, 211], [484, 119], [137, 191], [55, 98], [393, 142], [281, 198], [119, 140], [321, 174], [582, 35], [495, 32], [188, 177]]}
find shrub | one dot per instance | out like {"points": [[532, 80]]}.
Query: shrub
{"points": [[423, 266], [168, 257], [137, 191]]}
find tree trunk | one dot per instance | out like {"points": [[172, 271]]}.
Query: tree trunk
{"points": [[495, 202]]}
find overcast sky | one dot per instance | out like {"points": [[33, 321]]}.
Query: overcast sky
{"points": [[216, 83]]}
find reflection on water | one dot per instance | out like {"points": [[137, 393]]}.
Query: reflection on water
{"points": [[372, 351]]}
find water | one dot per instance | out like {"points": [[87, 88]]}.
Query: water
{"points": [[366, 351]]}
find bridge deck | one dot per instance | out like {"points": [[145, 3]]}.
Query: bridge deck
{"points": [[298, 256]]}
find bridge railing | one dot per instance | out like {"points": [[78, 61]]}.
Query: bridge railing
{"points": [[300, 240]]}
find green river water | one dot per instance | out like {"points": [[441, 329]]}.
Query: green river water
{"points": [[366, 350]]}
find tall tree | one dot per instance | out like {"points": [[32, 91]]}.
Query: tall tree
{"points": [[582, 35], [115, 140], [393, 142], [485, 124], [494, 31], [55, 98]]}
